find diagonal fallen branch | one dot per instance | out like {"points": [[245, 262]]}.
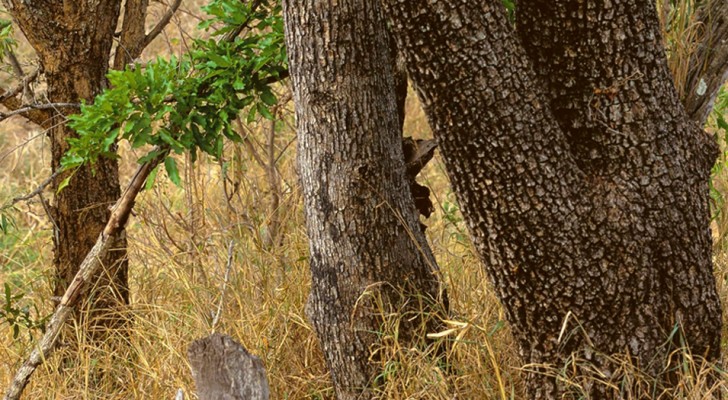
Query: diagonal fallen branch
{"points": [[89, 268]]}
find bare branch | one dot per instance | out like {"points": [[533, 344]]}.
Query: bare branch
{"points": [[228, 267], [162, 23], [26, 80], [37, 190], [709, 66], [27, 93], [88, 269], [34, 107], [9, 100]]}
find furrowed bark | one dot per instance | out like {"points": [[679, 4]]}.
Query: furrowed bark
{"points": [[365, 243], [87, 275], [588, 209], [133, 33], [73, 42]]}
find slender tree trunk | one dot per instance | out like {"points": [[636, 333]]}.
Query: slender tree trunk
{"points": [[73, 40], [583, 182], [367, 252]]}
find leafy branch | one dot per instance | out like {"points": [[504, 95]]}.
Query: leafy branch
{"points": [[188, 104]]}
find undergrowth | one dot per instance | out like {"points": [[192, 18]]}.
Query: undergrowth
{"points": [[179, 246]]}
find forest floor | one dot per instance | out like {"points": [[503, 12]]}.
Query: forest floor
{"points": [[179, 248]]}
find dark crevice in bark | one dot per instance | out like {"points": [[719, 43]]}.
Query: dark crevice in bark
{"points": [[73, 41], [583, 182], [367, 253]]}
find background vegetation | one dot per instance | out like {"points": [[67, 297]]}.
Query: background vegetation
{"points": [[227, 251]]}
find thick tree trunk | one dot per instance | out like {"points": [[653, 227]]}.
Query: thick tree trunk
{"points": [[366, 248], [73, 40], [583, 183]]}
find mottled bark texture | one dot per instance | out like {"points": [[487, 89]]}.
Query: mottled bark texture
{"points": [[367, 253], [73, 41], [223, 369], [582, 180]]}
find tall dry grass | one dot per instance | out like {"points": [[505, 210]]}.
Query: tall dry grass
{"points": [[179, 251]]}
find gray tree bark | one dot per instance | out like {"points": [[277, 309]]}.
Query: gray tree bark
{"points": [[582, 179], [367, 252], [224, 370]]}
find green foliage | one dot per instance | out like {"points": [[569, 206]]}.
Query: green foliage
{"points": [[510, 6], [6, 221], [188, 104], [17, 316], [719, 114], [6, 37]]}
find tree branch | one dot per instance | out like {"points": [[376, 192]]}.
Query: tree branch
{"points": [[89, 268], [133, 38], [9, 100], [161, 24], [230, 36], [37, 190], [35, 107], [709, 66], [26, 80]]}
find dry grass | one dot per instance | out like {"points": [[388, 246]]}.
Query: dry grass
{"points": [[179, 250]]}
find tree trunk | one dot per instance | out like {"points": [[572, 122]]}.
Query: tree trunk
{"points": [[583, 183], [367, 252], [73, 40]]}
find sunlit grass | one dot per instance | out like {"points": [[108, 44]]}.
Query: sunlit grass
{"points": [[178, 249]]}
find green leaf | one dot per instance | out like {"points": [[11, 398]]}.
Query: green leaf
{"points": [[721, 122], [264, 111], [171, 166], [219, 60], [65, 182], [151, 178], [268, 98]]}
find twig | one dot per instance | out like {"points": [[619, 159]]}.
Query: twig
{"points": [[161, 24], [19, 145], [274, 185], [33, 107], [27, 93], [230, 36], [21, 86], [88, 269], [37, 190], [216, 318]]}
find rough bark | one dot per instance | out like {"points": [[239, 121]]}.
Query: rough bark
{"points": [[223, 369], [583, 183], [73, 41], [133, 33], [365, 244], [88, 273]]}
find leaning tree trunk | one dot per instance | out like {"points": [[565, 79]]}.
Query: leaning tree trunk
{"points": [[583, 183], [366, 248], [73, 40]]}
